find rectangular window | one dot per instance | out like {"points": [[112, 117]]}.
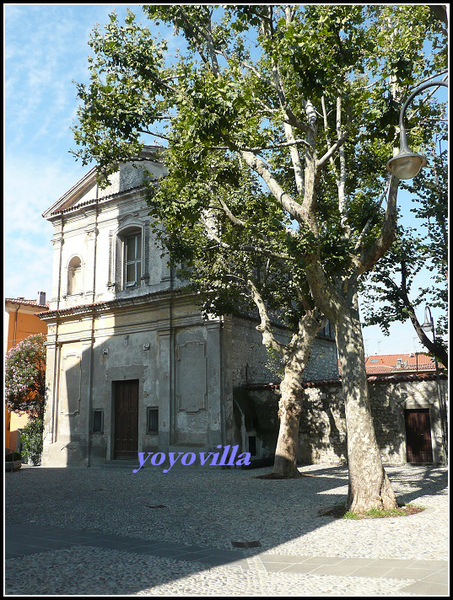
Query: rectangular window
{"points": [[132, 260], [98, 421], [153, 420]]}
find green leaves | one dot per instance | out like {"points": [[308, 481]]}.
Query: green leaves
{"points": [[238, 91], [391, 291], [125, 96]]}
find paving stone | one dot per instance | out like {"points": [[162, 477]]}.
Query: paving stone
{"points": [[337, 569], [358, 562], [438, 577], [118, 548], [424, 588], [323, 560], [275, 558], [402, 573], [431, 565]]}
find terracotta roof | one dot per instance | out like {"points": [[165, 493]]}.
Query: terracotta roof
{"points": [[426, 376], [370, 369], [27, 302], [397, 363]]}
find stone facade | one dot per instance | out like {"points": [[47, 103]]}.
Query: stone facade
{"points": [[322, 433], [131, 364]]}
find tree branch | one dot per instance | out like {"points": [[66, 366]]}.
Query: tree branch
{"points": [[213, 235], [265, 327], [298, 170], [434, 348], [371, 255], [329, 154], [283, 198], [294, 142], [341, 182], [332, 150], [230, 215], [208, 39], [368, 223]]}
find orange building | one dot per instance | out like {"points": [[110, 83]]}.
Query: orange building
{"points": [[21, 322]]}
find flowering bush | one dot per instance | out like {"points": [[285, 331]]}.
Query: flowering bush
{"points": [[25, 377]]}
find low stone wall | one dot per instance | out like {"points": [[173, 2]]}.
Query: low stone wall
{"points": [[322, 433]]}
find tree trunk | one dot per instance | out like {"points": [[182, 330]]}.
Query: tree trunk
{"points": [[369, 486], [295, 355], [289, 413], [290, 405]]}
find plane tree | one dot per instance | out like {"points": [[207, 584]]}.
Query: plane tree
{"points": [[275, 123]]}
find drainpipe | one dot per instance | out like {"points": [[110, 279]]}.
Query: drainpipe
{"points": [[171, 365], [222, 383], [15, 325], [56, 385]]}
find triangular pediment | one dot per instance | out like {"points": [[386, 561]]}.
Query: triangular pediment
{"points": [[83, 191], [129, 176]]}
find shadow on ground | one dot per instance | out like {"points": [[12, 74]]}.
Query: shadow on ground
{"points": [[148, 529]]}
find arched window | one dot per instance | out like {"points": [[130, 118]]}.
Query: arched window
{"points": [[74, 275]]}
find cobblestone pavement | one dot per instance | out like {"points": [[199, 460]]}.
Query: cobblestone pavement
{"points": [[210, 532]]}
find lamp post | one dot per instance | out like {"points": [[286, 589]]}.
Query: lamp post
{"points": [[427, 326], [406, 164]]}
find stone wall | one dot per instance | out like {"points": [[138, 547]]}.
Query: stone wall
{"points": [[250, 362], [322, 433]]}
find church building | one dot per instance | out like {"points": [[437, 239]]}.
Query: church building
{"points": [[132, 366]]}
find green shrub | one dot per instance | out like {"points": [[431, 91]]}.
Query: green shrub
{"points": [[31, 438]]}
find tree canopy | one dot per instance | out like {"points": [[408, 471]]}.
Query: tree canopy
{"points": [[275, 123], [236, 112]]}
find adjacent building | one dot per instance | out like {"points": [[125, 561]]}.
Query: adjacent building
{"points": [[21, 322]]}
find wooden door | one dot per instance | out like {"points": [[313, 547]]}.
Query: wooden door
{"points": [[125, 397], [418, 436]]}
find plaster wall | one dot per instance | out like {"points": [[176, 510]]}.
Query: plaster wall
{"points": [[90, 230], [168, 348]]}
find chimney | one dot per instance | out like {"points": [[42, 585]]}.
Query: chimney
{"points": [[41, 298]]}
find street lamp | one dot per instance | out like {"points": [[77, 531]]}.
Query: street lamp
{"points": [[406, 164], [428, 325]]}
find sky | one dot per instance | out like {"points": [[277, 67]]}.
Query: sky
{"points": [[45, 52]]}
